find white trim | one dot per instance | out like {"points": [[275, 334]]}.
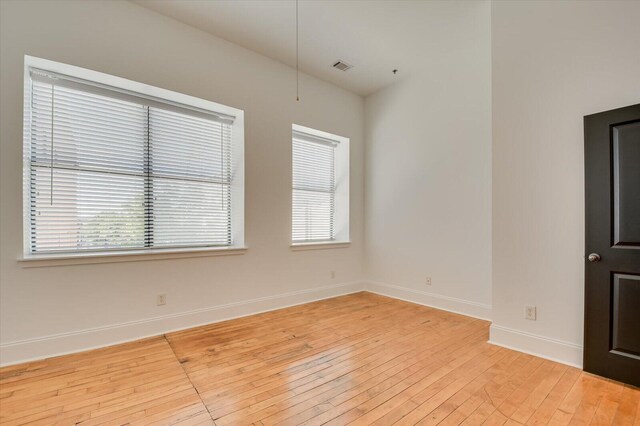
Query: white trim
{"points": [[439, 301], [320, 245], [534, 344], [81, 340], [144, 90], [42, 260]]}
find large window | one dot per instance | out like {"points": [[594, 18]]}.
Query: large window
{"points": [[320, 190], [110, 169]]}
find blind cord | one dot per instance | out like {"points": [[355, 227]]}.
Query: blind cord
{"points": [[148, 185], [297, 56], [222, 163], [53, 103]]}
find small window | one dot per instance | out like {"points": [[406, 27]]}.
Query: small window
{"points": [[112, 169], [320, 190]]}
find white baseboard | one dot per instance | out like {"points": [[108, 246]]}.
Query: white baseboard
{"points": [[65, 343], [533, 344], [451, 304], [82, 340]]}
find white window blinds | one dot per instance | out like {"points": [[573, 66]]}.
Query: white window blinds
{"points": [[115, 170], [314, 188]]}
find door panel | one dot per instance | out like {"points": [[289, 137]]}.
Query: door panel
{"points": [[612, 245], [625, 330], [626, 178]]}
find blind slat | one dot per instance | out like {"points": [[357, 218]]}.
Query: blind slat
{"points": [[109, 173], [314, 188]]}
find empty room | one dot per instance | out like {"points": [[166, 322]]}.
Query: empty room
{"points": [[320, 212]]}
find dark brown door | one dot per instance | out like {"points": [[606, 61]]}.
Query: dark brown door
{"points": [[612, 256]]}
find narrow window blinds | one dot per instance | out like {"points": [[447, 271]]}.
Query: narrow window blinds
{"points": [[113, 170], [314, 188]]}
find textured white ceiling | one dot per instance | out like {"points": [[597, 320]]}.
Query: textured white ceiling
{"points": [[373, 36]]}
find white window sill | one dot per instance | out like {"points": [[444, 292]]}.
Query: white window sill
{"points": [[41, 260], [320, 246]]}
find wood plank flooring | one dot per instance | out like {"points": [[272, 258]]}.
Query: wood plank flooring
{"points": [[359, 359]]}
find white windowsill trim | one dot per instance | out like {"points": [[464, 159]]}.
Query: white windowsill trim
{"points": [[320, 246], [36, 261]]}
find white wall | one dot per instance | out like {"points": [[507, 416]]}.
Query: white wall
{"points": [[528, 71], [45, 310], [553, 63], [428, 174]]}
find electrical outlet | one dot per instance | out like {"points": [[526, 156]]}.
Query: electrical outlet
{"points": [[333, 274], [530, 313], [161, 300], [428, 281]]}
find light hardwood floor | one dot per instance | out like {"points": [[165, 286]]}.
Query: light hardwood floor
{"points": [[361, 359]]}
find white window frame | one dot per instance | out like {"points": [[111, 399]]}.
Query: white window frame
{"points": [[342, 201], [144, 90]]}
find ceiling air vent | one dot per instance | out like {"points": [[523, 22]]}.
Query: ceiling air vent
{"points": [[342, 66]]}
